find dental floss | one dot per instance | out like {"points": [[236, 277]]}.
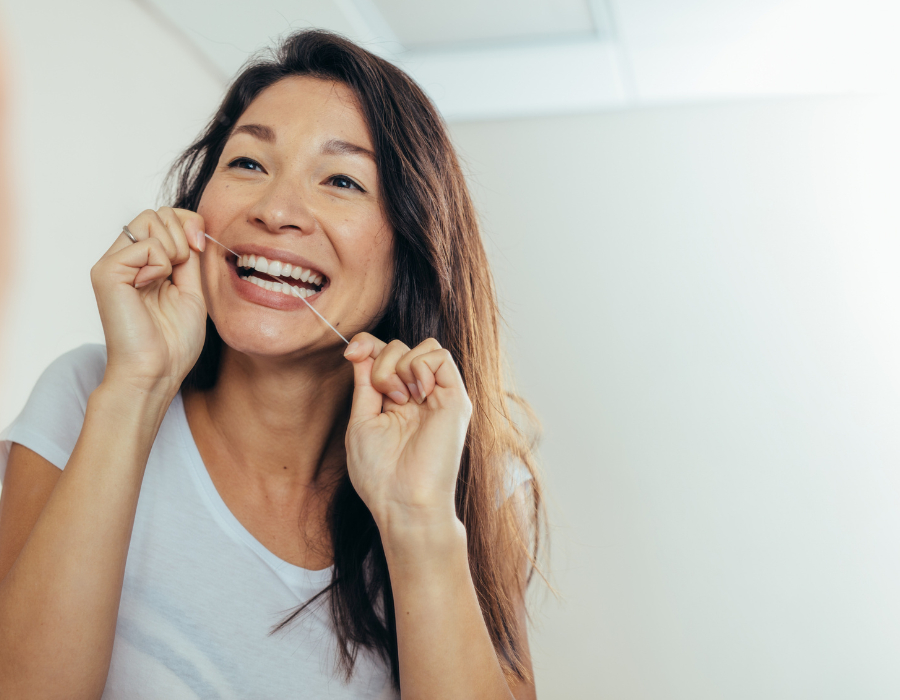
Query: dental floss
{"points": [[294, 290]]}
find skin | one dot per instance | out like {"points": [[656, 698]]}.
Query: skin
{"points": [[274, 432]]}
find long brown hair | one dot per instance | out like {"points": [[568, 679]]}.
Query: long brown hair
{"points": [[442, 289]]}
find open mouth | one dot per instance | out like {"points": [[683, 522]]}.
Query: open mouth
{"points": [[277, 276]]}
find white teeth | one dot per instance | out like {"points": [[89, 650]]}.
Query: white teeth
{"points": [[276, 268]]}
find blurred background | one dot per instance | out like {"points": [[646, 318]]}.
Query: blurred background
{"points": [[691, 210]]}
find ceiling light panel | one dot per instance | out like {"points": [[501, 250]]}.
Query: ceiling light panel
{"points": [[425, 24]]}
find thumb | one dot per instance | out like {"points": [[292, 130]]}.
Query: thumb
{"points": [[367, 400], [194, 226], [186, 276]]}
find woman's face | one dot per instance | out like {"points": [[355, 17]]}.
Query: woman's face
{"points": [[297, 185]]}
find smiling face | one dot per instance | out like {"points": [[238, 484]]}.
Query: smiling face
{"points": [[297, 186]]}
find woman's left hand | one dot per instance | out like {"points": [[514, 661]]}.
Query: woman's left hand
{"points": [[407, 430]]}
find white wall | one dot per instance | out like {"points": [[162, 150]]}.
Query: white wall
{"points": [[703, 305], [102, 102]]}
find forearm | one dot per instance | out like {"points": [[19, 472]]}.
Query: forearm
{"points": [[444, 646], [59, 602]]}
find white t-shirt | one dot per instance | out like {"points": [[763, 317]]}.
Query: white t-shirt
{"points": [[201, 594]]}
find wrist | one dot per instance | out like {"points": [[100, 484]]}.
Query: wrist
{"points": [[418, 536], [123, 380], [145, 407]]}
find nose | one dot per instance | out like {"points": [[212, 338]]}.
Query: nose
{"points": [[281, 208]]}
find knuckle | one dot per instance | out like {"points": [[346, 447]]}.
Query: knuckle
{"points": [[159, 246], [380, 375]]}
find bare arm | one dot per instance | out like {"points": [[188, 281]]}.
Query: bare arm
{"points": [[444, 646], [59, 600], [63, 545], [403, 456], [27, 487]]}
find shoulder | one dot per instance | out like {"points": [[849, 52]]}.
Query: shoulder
{"points": [[70, 378], [515, 474], [80, 370], [51, 420]]}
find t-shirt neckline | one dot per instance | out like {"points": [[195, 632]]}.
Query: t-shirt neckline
{"points": [[300, 580]]}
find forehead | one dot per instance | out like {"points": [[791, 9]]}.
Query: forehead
{"points": [[302, 106]]}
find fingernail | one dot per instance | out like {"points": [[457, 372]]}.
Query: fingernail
{"points": [[415, 393], [201, 241], [351, 348], [421, 390], [398, 397], [138, 285]]}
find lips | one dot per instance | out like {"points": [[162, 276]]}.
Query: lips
{"points": [[279, 280]]}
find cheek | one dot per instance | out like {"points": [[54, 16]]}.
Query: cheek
{"points": [[379, 268], [213, 208]]}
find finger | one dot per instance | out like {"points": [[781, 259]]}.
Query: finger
{"points": [[367, 401], [194, 226], [137, 264], [362, 351], [437, 369], [122, 241], [186, 276], [173, 226], [157, 265], [404, 370], [384, 375], [148, 224], [363, 345]]}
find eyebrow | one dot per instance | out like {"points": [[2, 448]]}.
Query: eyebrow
{"points": [[336, 147], [332, 147], [259, 131]]}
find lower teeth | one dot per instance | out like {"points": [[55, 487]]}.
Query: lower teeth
{"points": [[282, 287]]}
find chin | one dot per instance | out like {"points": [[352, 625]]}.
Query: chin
{"points": [[264, 337]]}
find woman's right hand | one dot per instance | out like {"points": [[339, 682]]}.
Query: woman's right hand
{"points": [[151, 301]]}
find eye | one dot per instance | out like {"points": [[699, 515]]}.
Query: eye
{"points": [[246, 164], [344, 182]]}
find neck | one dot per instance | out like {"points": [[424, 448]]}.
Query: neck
{"points": [[277, 419]]}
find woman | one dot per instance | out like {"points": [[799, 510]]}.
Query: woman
{"points": [[166, 560]]}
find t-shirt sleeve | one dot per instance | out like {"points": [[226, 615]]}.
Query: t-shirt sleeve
{"points": [[515, 474], [52, 418]]}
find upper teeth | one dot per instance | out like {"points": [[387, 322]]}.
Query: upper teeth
{"points": [[277, 268]]}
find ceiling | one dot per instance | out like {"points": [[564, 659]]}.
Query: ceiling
{"points": [[489, 59]]}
